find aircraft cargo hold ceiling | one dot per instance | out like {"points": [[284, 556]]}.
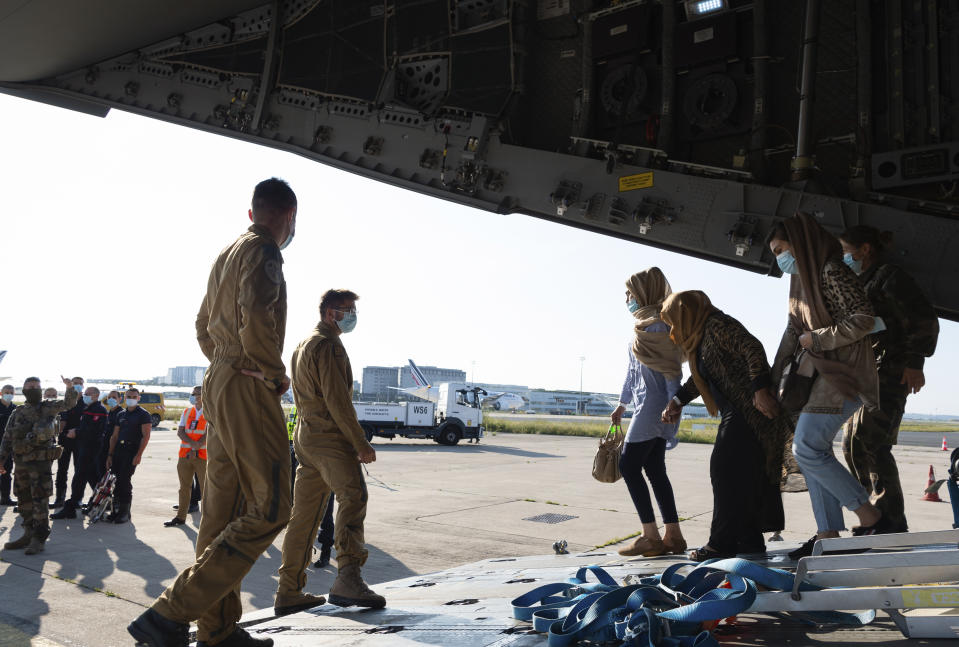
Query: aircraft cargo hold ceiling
{"points": [[686, 125]]}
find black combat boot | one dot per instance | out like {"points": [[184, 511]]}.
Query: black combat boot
{"points": [[156, 631], [61, 495], [68, 511], [123, 513], [324, 559]]}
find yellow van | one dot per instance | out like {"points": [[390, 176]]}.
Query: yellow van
{"points": [[153, 403]]}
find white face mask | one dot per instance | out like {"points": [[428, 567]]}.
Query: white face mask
{"points": [[132, 402]]}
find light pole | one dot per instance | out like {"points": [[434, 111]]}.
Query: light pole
{"points": [[581, 360], [473, 373]]}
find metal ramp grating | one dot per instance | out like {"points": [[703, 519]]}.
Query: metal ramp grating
{"points": [[550, 517]]}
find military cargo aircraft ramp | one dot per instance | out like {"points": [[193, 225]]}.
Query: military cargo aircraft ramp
{"points": [[470, 606], [690, 126]]}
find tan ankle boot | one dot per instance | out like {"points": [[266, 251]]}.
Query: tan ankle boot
{"points": [[23, 542], [291, 602], [350, 590], [36, 545]]}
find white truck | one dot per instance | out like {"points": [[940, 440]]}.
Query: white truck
{"points": [[456, 414]]}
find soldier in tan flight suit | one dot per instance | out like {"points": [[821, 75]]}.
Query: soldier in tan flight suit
{"points": [[246, 501], [330, 445]]}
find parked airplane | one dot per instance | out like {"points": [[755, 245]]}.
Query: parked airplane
{"points": [[503, 401]]}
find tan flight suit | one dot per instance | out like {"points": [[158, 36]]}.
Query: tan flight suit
{"points": [[327, 440], [246, 501]]}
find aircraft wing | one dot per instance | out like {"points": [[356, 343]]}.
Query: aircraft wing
{"points": [[677, 125]]}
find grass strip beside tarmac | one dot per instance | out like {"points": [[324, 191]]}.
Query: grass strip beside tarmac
{"points": [[700, 430]]}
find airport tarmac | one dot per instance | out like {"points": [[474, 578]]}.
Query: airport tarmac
{"points": [[431, 508]]}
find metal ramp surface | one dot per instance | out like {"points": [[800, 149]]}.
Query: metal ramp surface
{"points": [[469, 606]]}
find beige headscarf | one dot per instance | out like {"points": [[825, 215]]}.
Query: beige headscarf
{"points": [[686, 313], [653, 349], [812, 246]]}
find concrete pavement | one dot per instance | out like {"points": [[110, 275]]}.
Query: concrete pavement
{"points": [[431, 508]]}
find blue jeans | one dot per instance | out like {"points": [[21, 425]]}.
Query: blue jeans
{"points": [[831, 486]]}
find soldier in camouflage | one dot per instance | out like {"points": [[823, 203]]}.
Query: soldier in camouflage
{"points": [[31, 437], [905, 334]]}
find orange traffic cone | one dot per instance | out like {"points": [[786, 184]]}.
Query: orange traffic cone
{"points": [[934, 495], [944, 448]]}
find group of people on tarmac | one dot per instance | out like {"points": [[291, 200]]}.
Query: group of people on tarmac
{"points": [[247, 498], [45, 429], [858, 333]]}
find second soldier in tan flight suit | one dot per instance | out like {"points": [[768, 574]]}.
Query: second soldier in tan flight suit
{"points": [[330, 445], [246, 501]]}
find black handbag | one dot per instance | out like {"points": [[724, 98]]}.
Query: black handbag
{"points": [[795, 386]]}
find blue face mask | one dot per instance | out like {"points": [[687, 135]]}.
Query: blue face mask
{"points": [[78, 388], [347, 323], [8, 397], [193, 400], [632, 306], [787, 263], [286, 243], [854, 265], [88, 400], [112, 402]]}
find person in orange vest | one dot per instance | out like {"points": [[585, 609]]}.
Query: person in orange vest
{"points": [[192, 461]]}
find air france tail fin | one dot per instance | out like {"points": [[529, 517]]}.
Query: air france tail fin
{"points": [[418, 378]]}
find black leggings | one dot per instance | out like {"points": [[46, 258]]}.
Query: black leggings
{"points": [[649, 455]]}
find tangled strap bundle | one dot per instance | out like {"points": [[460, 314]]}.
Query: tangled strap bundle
{"points": [[666, 610]]}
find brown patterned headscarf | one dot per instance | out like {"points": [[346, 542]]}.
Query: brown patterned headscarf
{"points": [[686, 313], [654, 349], [813, 246]]}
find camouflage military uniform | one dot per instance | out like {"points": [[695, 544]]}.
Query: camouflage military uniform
{"points": [[31, 437], [912, 330]]}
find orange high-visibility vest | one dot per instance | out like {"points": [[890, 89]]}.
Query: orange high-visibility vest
{"points": [[196, 430]]}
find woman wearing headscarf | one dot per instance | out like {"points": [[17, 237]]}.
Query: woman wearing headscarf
{"points": [[906, 336], [829, 323], [655, 366], [730, 373]]}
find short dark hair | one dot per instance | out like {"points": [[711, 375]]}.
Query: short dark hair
{"points": [[31, 379], [95, 389], [133, 389], [859, 235], [7, 386], [74, 379], [334, 298], [272, 197], [198, 388]]}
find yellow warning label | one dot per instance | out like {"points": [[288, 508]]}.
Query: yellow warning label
{"points": [[938, 597], [638, 181]]}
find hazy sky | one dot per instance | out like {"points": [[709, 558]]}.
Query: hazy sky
{"points": [[111, 225]]}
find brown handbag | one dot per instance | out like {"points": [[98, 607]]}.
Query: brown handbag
{"points": [[795, 386], [606, 461]]}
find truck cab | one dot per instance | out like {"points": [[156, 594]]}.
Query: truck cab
{"points": [[459, 413]]}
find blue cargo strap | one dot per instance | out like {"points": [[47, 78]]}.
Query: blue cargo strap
{"points": [[544, 597], [666, 610]]}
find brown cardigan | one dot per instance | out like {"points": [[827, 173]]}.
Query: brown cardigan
{"points": [[846, 340]]}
